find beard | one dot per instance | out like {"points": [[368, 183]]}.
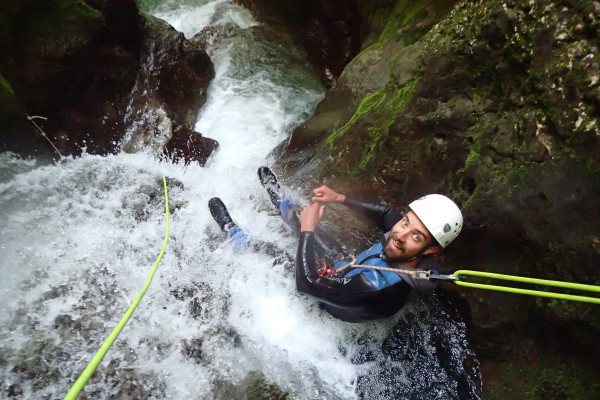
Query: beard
{"points": [[395, 250]]}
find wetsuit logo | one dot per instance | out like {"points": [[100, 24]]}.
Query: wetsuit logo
{"points": [[338, 279]]}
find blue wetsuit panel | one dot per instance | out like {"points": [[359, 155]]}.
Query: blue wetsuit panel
{"points": [[284, 207], [239, 238], [379, 279]]}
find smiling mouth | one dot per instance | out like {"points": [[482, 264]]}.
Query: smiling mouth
{"points": [[398, 244]]}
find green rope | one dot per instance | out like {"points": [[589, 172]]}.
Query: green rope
{"points": [[534, 281], [89, 370]]}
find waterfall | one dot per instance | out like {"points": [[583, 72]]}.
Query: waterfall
{"points": [[78, 239]]}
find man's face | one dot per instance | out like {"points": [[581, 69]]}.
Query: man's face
{"points": [[407, 238]]}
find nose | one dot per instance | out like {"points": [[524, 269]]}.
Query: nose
{"points": [[402, 235]]}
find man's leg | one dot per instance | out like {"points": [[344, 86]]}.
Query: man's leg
{"points": [[241, 239], [221, 216], [326, 246]]}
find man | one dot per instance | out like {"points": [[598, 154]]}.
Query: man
{"points": [[363, 293], [357, 291]]}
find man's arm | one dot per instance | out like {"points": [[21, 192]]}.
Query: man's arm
{"points": [[382, 215]]}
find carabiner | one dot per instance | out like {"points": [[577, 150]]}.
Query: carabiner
{"points": [[441, 277]]}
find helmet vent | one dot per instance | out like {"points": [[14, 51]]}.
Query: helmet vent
{"points": [[447, 228]]}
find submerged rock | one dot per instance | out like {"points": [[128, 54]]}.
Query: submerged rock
{"points": [[189, 146], [253, 387]]}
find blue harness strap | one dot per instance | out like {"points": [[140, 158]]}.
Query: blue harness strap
{"points": [[373, 256]]}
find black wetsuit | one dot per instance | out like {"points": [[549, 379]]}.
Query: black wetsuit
{"points": [[355, 298]]}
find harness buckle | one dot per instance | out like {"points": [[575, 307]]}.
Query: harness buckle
{"points": [[426, 275], [440, 277]]}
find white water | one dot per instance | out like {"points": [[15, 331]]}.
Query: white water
{"points": [[78, 240]]}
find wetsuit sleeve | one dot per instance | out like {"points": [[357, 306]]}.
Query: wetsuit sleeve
{"points": [[381, 214], [306, 271]]}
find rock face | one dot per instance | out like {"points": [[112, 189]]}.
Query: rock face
{"points": [[170, 88], [254, 386], [76, 63], [329, 30], [497, 105]]}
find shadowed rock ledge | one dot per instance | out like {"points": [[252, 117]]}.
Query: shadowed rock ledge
{"points": [[95, 70]]}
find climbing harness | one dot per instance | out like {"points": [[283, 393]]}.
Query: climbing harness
{"points": [[458, 278], [323, 268], [89, 370]]}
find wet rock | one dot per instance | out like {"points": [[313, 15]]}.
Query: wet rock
{"points": [[497, 107], [211, 35], [192, 349], [200, 297], [66, 324], [182, 293], [200, 305], [57, 291], [189, 146], [330, 33], [196, 308], [14, 390], [84, 70], [421, 356], [330, 112], [253, 387], [169, 91], [146, 199], [75, 69]]}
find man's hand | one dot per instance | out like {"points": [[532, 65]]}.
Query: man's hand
{"points": [[310, 217], [325, 194]]}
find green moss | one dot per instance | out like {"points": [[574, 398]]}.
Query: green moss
{"points": [[478, 130], [476, 133], [377, 133], [470, 201], [404, 12], [548, 378], [473, 155], [383, 107], [63, 25], [367, 104], [5, 86], [590, 166], [8, 99], [374, 147]]}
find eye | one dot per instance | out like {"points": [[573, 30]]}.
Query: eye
{"points": [[417, 238], [404, 222]]}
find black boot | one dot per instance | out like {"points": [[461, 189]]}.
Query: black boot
{"points": [[220, 214], [269, 182]]}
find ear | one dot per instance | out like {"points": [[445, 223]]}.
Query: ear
{"points": [[431, 250]]}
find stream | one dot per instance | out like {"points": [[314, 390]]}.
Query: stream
{"points": [[79, 237]]}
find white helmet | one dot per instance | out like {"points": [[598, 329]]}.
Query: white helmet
{"points": [[440, 215]]}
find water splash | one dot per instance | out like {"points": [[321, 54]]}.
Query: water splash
{"points": [[78, 240]]}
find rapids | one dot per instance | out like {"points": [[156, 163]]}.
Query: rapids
{"points": [[79, 237]]}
